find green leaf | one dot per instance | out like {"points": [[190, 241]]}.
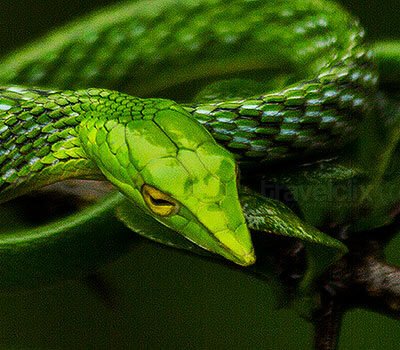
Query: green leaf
{"points": [[266, 215], [145, 225], [262, 214], [142, 223]]}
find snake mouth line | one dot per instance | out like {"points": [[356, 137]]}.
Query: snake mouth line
{"points": [[240, 259]]}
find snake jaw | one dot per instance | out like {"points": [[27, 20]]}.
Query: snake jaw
{"points": [[225, 225], [214, 221], [234, 248], [233, 244]]}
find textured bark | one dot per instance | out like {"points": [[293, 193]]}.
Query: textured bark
{"points": [[361, 279]]}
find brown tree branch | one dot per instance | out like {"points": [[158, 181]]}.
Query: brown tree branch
{"points": [[379, 286], [327, 321]]}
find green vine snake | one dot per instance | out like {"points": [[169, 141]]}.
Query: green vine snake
{"points": [[61, 116]]}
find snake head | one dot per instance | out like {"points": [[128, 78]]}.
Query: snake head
{"points": [[169, 165]]}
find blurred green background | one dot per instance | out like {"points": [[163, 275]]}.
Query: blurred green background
{"points": [[167, 299]]}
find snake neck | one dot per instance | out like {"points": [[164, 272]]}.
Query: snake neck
{"points": [[39, 135]]}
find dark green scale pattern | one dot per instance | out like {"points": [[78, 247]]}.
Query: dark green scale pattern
{"points": [[39, 141], [303, 120], [311, 116], [144, 47]]}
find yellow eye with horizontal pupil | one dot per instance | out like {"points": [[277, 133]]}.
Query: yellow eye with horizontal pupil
{"points": [[159, 202]]}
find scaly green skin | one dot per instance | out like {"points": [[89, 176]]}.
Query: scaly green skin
{"points": [[48, 135], [143, 48]]}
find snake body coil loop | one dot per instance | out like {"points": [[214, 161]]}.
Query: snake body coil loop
{"points": [[144, 48]]}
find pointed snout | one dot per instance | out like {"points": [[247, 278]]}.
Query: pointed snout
{"points": [[224, 230], [236, 245]]}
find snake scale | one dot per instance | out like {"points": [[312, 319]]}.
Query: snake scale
{"points": [[61, 115]]}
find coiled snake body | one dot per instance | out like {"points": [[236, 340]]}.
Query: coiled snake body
{"points": [[154, 150]]}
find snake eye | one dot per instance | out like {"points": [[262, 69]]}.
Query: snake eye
{"points": [[159, 202]]}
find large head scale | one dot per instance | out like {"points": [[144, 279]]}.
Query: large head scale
{"points": [[169, 165]]}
